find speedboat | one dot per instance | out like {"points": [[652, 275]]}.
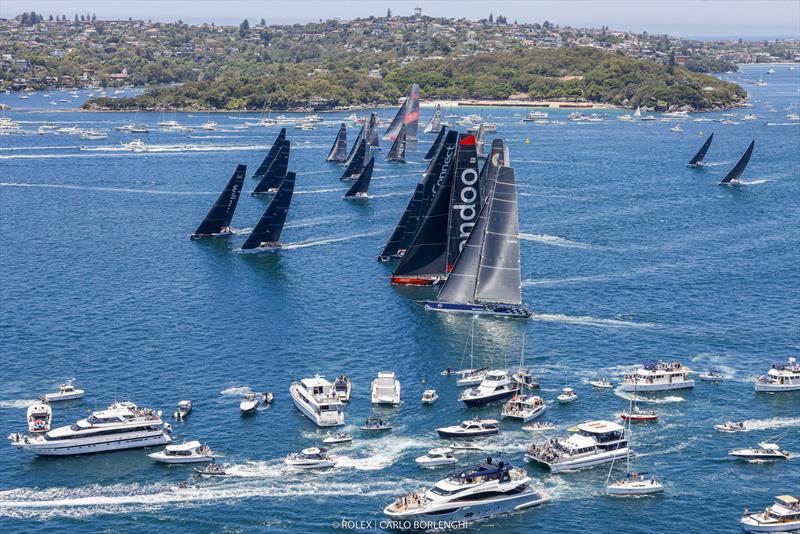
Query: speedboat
{"points": [[676, 129], [593, 443], [437, 458], [39, 417], [603, 383], [567, 395], [471, 428], [184, 453], [429, 396], [782, 516], [339, 437], [184, 409], [376, 423], [476, 492], [782, 377], [93, 135], [66, 392], [635, 484], [658, 376], [730, 426], [135, 146], [208, 126], [712, 375], [342, 387], [538, 427], [764, 451], [386, 389], [497, 386], [310, 458], [524, 407], [249, 403], [211, 470], [472, 378], [637, 415], [122, 426], [317, 400]]}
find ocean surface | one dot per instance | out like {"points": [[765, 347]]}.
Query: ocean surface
{"points": [[627, 255]]}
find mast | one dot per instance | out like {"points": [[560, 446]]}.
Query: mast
{"points": [[361, 185], [465, 202], [735, 175], [268, 230], [436, 144], [408, 114], [219, 216], [276, 172], [398, 151], [698, 158], [273, 151], [338, 151], [356, 164]]}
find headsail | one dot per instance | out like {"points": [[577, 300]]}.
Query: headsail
{"points": [[356, 164], [273, 151], [465, 203], [267, 231], [638, 112], [435, 124], [275, 173], [735, 175], [398, 151], [436, 143], [408, 114], [361, 185], [218, 219], [480, 141], [338, 151], [698, 158]]}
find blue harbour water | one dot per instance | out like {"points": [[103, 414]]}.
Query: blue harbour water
{"points": [[627, 256]]}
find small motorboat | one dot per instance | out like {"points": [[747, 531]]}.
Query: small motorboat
{"points": [[184, 409], [437, 458], [135, 146], [637, 415], [376, 423], [93, 135], [184, 453], [339, 437], [249, 403], [66, 392], [635, 484], [538, 427], [731, 426], [764, 451], [39, 417], [342, 387], [211, 470], [310, 458], [712, 375], [603, 383], [567, 395], [471, 428], [267, 398], [429, 396]]}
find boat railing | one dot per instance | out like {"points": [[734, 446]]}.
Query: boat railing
{"points": [[409, 501]]}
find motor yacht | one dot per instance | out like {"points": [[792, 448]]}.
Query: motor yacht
{"points": [[567, 395], [135, 146], [782, 377], [476, 492], [594, 443], [764, 451], [317, 400], [339, 437], [731, 426], [249, 403], [470, 428], [39, 417], [184, 409], [184, 453], [497, 386], [603, 383], [524, 407], [208, 126], [386, 389], [472, 378], [93, 135], [342, 387], [712, 375], [310, 458], [535, 116], [538, 427], [211, 470], [635, 484], [437, 458], [658, 376], [429, 396], [376, 423], [782, 516], [121, 426], [66, 392]]}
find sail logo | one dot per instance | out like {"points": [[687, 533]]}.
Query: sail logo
{"points": [[448, 157], [234, 196], [467, 205]]}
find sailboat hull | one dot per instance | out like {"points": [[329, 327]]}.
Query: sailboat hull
{"points": [[266, 247], [204, 236], [502, 310], [417, 280]]}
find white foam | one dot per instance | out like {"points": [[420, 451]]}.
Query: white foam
{"points": [[236, 391], [310, 191], [668, 399], [18, 403], [768, 424], [306, 244], [588, 320], [106, 189]]}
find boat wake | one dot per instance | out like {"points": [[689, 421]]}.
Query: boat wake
{"points": [[669, 399], [588, 320], [18, 403], [310, 191], [769, 424], [754, 182], [106, 189], [306, 244], [235, 391], [553, 240]]}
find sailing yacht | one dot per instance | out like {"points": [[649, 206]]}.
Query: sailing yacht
{"points": [[218, 220], [358, 191], [261, 170], [267, 232], [697, 160], [398, 151], [434, 148], [356, 164], [275, 173], [734, 177], [435, 124], [338, 151], [317, 400], [407, 115]]}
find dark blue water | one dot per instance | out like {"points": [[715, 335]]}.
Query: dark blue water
{"points": [[627, 256]]}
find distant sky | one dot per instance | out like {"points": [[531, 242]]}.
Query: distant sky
{"points": [[690, 18]]}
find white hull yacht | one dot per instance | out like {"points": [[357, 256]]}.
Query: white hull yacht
{"points": [[524, 407], [782, 516], [595, 443], [386, 389], [497, 386], [317, 400], [184, 453], [658, 376], [782, 377], [66, 392]]}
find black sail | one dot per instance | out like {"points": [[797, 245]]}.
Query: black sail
{"points": [[361, 185], [480, 141], [372, 128], [362, 134], [275, 173], [498, 157], [396, 243], [408, 114], [436, 144], [338, 151], [273, 151], [220, 215], [465, 203], [698, 158], [398, 151], [269, 227], [356, 164], [738, 169]]}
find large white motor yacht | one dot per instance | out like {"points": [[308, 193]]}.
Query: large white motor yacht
{"points": [[595, 443], [782, 516], [184, 453], [477, 492], [658, 376], [495, 387], [524, 407], [782, 377], [386, 389], [317, 400], [121, 426]]}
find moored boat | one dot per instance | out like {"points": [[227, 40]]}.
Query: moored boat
{"points": [[593, 443], [470, 428]]}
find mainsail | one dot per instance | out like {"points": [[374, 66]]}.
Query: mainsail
{"points": [[362, 134], [480, 141], [398, 151], [273, 151], [218, 219], [497, 158], [275, 173], [436, 144], [356, 164], [638, 112], [735, 175], [408, 114], [435, 124], [697, 160], [372, 128], [338, 151], [361, 185], [465, 202], [268, 230]]}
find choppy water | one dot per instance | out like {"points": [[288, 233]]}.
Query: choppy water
{"points": [[627, 256]]}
